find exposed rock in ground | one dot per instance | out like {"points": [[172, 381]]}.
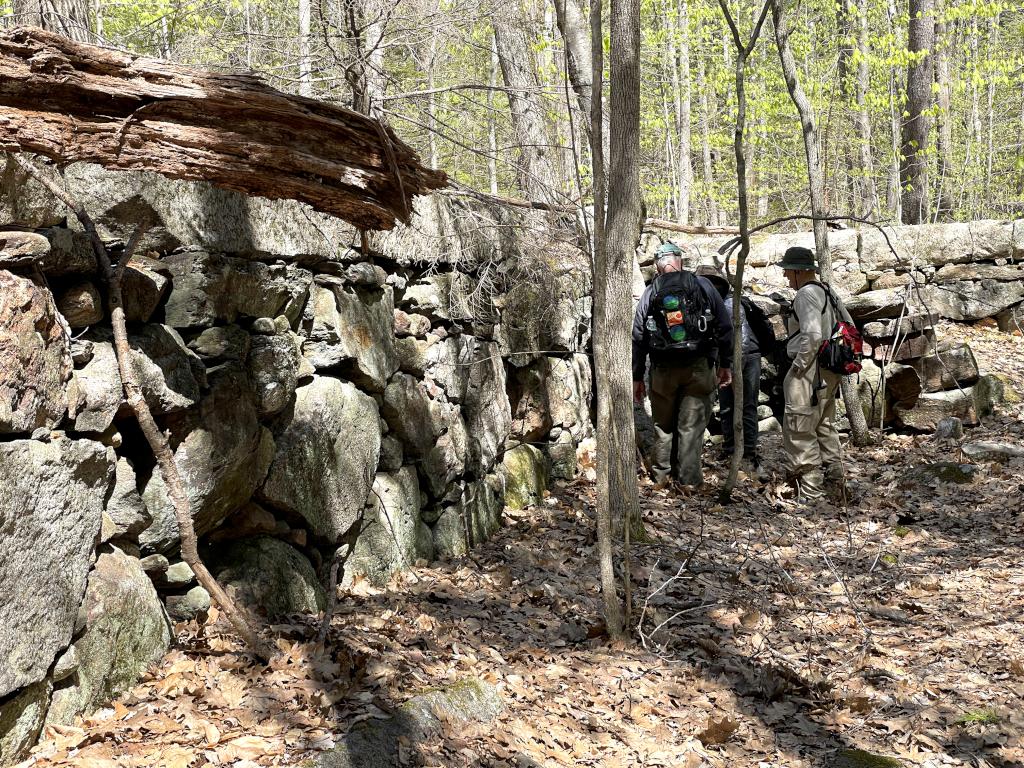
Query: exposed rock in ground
{"points": [[524, 471], [946, 368], [987, 450], [268, 575], [474, 518], [185, 607], [932, 407], [51, 502], [950, 428], [125, 632], [327, 453], [223, 456], [210, 288], [393, 536], [946, 472], [376, 743], [35, 356]]}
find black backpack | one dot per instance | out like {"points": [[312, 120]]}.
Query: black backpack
{"points": [[680, 315], [761, 326], [843, 350]]}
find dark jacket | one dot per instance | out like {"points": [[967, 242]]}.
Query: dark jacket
{"points": [[719, 351]]}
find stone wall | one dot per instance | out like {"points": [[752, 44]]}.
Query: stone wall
{"points": [[304, 386]]}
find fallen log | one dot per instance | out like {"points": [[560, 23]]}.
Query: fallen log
{"points": [[70, 101]]}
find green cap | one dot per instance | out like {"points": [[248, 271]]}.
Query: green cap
{"points": [[798, 257], [667, 250]]}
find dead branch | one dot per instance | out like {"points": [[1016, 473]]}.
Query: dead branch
{"points": [[157, 440]]}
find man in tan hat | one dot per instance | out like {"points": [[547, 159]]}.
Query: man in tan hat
{"points": [[809, 438]]}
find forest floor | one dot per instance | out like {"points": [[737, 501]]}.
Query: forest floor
{"points": [[786, 636]]}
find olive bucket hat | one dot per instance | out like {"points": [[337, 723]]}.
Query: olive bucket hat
{"points": [[798, 257]]}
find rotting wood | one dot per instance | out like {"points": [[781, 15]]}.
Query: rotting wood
{"points": [[70, 101], [157, 440]]}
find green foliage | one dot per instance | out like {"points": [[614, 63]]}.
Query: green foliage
{"points": [[980, 716]]}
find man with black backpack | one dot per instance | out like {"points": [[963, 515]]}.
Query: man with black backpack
{"points": [[682, 324], [824, 345], [758, 339]]}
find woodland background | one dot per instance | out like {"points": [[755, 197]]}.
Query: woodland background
{"points": [[486, 91]]}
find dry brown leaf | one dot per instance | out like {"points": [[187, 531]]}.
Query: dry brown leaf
{"points": [[718, 731]]}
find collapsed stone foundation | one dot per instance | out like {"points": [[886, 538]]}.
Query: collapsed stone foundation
{"points": [[305, 387]]}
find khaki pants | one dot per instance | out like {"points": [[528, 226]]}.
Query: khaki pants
{"points": [[809, 437], [680, 408]]}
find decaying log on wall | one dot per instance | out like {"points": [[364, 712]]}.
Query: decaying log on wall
{"points": [[70, 101]]}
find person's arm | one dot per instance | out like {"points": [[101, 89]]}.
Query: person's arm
{"points": [[640, 344], [807, 307]]}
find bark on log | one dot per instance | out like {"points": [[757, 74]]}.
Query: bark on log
{"points": [[70, 101]]}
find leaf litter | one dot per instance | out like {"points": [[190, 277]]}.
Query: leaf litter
{"points": [[771, 635]]}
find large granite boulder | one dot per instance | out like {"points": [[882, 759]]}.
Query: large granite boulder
{"points": [[125, 632], [171, 377], [552, 392], [934, 245], [393, 536], [949, 366], [431, 429], [181, 212], [81, 304], [21, 720], [210, 289], [51, 502], [327, 452], [223, 454], [472, 375], [972, 299], [269, 575], [352, 329], [447, 296], [71, 253], [35, 356], [23, 250]]}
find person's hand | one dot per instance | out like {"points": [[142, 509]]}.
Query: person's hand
{"points": [[724, 377], [639, 391]]}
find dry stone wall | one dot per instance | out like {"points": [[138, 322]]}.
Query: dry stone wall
{"points": [[306, 388]]}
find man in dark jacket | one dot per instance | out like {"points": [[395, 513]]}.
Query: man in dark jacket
{"points": [[682, 324], [758, 339]]}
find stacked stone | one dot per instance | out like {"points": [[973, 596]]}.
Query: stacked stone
{"points": [[304, 387]]}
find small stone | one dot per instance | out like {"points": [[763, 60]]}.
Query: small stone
{"points": [[154, 564], [81, 351], [281, 324], [42, 434], [764, 412], [67, 665], [946, 472], [221, 342], [949, 428], [769, 425], [179, 575], [81, 304], [264, 326], [188, 606], [992, 451]]}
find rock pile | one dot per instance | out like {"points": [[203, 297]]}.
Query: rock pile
{"points": [[304, 386]]}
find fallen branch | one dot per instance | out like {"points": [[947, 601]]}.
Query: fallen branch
{"points": [[689, 229], [158, 442]]}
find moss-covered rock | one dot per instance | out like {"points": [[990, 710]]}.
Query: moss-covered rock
{"points": [[374, 743], [525, 474], [944, 471], [126, 631], [859, 758], [269, 575], [21, 719]]}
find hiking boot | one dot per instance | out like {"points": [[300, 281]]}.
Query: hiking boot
{"points": [[809, 487], [755, 469]]}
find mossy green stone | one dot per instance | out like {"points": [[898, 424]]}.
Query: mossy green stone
{"points": [[859, 758]]}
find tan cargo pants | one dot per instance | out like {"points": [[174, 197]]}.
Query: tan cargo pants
{"points": [[810, 441], [680, 408]]}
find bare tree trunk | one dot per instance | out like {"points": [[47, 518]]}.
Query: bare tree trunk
{"points": [[944, 134], [743, 51], [305, 63], [606, 557], [492, 124], [705, 145], [862, 120], [844, 24], [536, 172], [993, 45], [816, 180], [573, 27], [916, 123], [682, 88], [157, 440], [65, 17]]}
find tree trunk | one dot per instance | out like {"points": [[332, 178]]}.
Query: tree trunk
{"points": [[69, 18], [705, 145], [305, 62], [535, 172], [492, 124], [862, 120], [916, 123], [816, 181], [605, 551], [130, 112], [683, 88], [573, 27], [844, 24], [944, 135]]}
